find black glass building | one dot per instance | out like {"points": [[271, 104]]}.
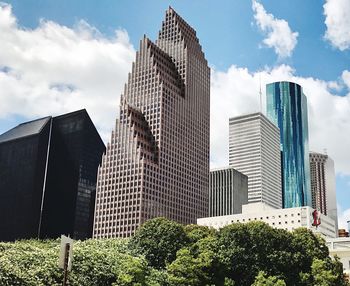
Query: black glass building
{"points": [[48, 170]]}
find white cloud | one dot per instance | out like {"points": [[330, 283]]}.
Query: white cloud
{"points": [[337, 20], [236, 91], [346, 78], [53, 69], [279, 36]]}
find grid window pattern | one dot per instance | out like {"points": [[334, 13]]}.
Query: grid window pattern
{"points": [[254, 150], [322, 176], [157, 162], [318, 182]]}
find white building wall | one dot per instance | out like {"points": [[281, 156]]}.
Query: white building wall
{"points": [[288, 219], [254, 150], [331, 190], [340, 247]]}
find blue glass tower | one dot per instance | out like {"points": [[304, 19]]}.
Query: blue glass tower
{"points": [[287, 109]]}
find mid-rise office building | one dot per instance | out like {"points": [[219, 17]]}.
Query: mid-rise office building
{"points": [[323, 190], [228, 191], [287, 109], [157, 162], [48, 171], [254, 150], [288, 219]]}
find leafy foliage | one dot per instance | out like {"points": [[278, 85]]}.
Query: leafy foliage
{"points": [[196, 232], [257, 247], [158, 240], [263, 280], [165, 253], [32, 263], [197, 264], [96, 262], [106, 262]]}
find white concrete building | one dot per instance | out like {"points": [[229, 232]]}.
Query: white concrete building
{"points": [[340, 247], [288, 219], [254, 150]]}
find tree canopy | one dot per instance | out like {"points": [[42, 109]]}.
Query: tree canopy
{"points": [[163, 252], [158, 240]]}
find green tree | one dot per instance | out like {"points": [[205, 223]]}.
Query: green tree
{"points": [[158, 240], [95, 262], [326, 272], [164, 253], [337, 268], [187, 270], [157, 277], [322, 273], [196, 232], [197, 264], [106, 262], [229, 282], [246, 249], [306, 246], [314, 246], [263, 280], [29, 263]]}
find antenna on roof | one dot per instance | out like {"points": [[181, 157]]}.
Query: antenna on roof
{"points": [[325, 151]]}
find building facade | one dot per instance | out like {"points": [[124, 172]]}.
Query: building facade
{"points": [[254, 150], [340, 247], [323, 190], [287, 109], [157, 162], [48, 177], [288, 219], [228, 191]]}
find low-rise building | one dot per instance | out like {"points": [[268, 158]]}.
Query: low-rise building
{"points": [[340, 247], [288, 219], [228, 191]]}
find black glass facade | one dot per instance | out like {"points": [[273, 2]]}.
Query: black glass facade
{"points": [[48, 171]]}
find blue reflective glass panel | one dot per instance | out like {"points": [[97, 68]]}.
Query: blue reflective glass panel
{"points": [[287, 109]]}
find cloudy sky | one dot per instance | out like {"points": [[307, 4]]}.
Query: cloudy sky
{"points": [[59, 56]]}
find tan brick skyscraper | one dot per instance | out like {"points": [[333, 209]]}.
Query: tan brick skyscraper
{"points": [[157, 163]]}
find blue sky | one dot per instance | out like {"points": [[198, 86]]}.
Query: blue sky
{"points": [[226, 29], [240, 42]]}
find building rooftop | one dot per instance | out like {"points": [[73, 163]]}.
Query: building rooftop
{"points": [[252, 116], [24, 129]]}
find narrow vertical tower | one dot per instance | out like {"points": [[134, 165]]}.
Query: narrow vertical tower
{"points": [[287, 109], [323, 190], [157, 163]]}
